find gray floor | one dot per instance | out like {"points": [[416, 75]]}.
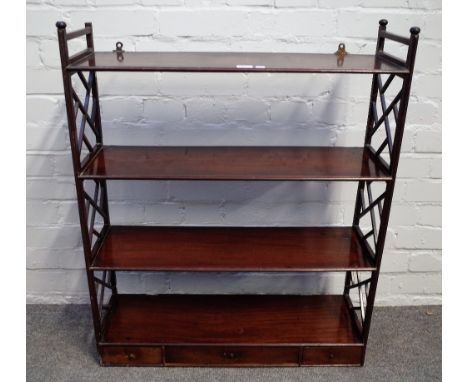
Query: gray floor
{"points": [[404, 345]]}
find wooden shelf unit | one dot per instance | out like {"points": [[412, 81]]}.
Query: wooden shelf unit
{"points": [[234, 330]]}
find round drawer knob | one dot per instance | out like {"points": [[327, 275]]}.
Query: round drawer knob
{"points": [[331, 356], [229, 355], [131, 356]]}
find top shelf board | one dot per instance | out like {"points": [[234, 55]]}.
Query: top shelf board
{"points": [[235, 62]]}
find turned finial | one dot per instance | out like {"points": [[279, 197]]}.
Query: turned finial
{"points": [[383, 22], [61, 24], [415, 30]]}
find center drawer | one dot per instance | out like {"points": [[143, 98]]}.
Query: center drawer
{"points": [[231, 356]]}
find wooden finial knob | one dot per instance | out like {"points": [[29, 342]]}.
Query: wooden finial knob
{"points": [[61, 24], [415, 30], [383, 22]]}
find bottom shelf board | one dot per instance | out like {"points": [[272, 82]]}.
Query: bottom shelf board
{"points": [[211, 320]]}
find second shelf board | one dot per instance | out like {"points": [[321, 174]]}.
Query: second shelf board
{"points": [[231, 249], [234, 163]]}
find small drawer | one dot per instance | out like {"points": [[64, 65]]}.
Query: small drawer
{"points": [[332, 355], [231, 356], [131, 355]]}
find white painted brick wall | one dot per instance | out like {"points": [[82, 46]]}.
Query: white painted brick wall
{"points": [[232, 109]]}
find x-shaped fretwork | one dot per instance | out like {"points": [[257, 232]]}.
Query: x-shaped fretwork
{"points": [[96, 214], [82, 108], [385, 146], [95, 209], [357, 289], [104, 284], [369, 215]]}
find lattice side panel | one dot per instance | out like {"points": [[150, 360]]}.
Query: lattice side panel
{"points": [[384, 112], [96, 217], [371, 198], [105, 284], [85, 112], [96, 214], [357, 288]]}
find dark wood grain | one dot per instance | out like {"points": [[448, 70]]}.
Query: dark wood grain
{"points": [[230, 319], [234, 163], [236, 62], [332, 355], [131, 355], [231, 356], [232, 249], [234, 330]]}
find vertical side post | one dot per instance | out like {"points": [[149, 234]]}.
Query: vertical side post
{"points": [[374, 88], [68, 92], [395, 156], [100, 142]]}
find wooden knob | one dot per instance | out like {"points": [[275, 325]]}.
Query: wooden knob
{"points": [[383, 22], [331, 356], [61, 24], [415, 30], [131, 356], [229, 355]]}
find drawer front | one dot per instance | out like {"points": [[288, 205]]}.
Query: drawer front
{"points": [[332, 355], [131, 355], [231, 356]]}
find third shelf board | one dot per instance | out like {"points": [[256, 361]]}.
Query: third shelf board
{"points": [[235, 163], [232, 249]]}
